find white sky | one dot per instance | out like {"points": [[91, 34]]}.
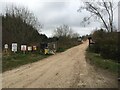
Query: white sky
{"points": [[53, 13]]}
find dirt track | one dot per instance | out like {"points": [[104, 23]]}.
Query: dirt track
{"points": [[64, 70]]}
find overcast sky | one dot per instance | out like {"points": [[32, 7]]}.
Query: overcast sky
{"points": [[53, 13]]}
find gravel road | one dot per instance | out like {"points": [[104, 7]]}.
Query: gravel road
{"points": [[68, 69]]}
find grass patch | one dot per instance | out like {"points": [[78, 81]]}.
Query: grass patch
{"points": [[97, 60], [16, 60]]}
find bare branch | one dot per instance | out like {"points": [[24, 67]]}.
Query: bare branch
{"points": [[99, 10]]}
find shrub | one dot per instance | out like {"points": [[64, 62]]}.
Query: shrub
{"points": [[106, 44], [65, 43]]}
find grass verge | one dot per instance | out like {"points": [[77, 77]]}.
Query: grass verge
{"points": [[97, 60], [16, 60]]}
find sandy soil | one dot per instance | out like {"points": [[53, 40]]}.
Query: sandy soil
{"points": [[64, 70]]}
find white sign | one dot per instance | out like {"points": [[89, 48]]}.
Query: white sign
{"points": [[6, 46], [29, 48], [14, 47], [23, 47]]}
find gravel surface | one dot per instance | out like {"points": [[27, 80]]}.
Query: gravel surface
{"points": [[68, 69]]}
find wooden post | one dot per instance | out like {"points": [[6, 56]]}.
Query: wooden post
{"points": [[89, 38]]}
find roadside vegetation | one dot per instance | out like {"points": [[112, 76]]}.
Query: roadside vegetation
{"points": [[15, 60], [21, 26], [107, 64], [66, 38], [105, 52]]}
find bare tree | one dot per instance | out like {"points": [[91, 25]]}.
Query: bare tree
{"points": [[63, 31], [25, 15], [100, 11], [76, 35]]}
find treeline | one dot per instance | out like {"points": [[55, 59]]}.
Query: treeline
{"points": [[17, 27], [66, 38], [15, 30], [20, 26], [106, 44]]}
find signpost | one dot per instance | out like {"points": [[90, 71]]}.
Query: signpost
{"points": [[90, 41], [34, 48], [29, 48], [14, 47], [6, 48], [23, 48]]}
